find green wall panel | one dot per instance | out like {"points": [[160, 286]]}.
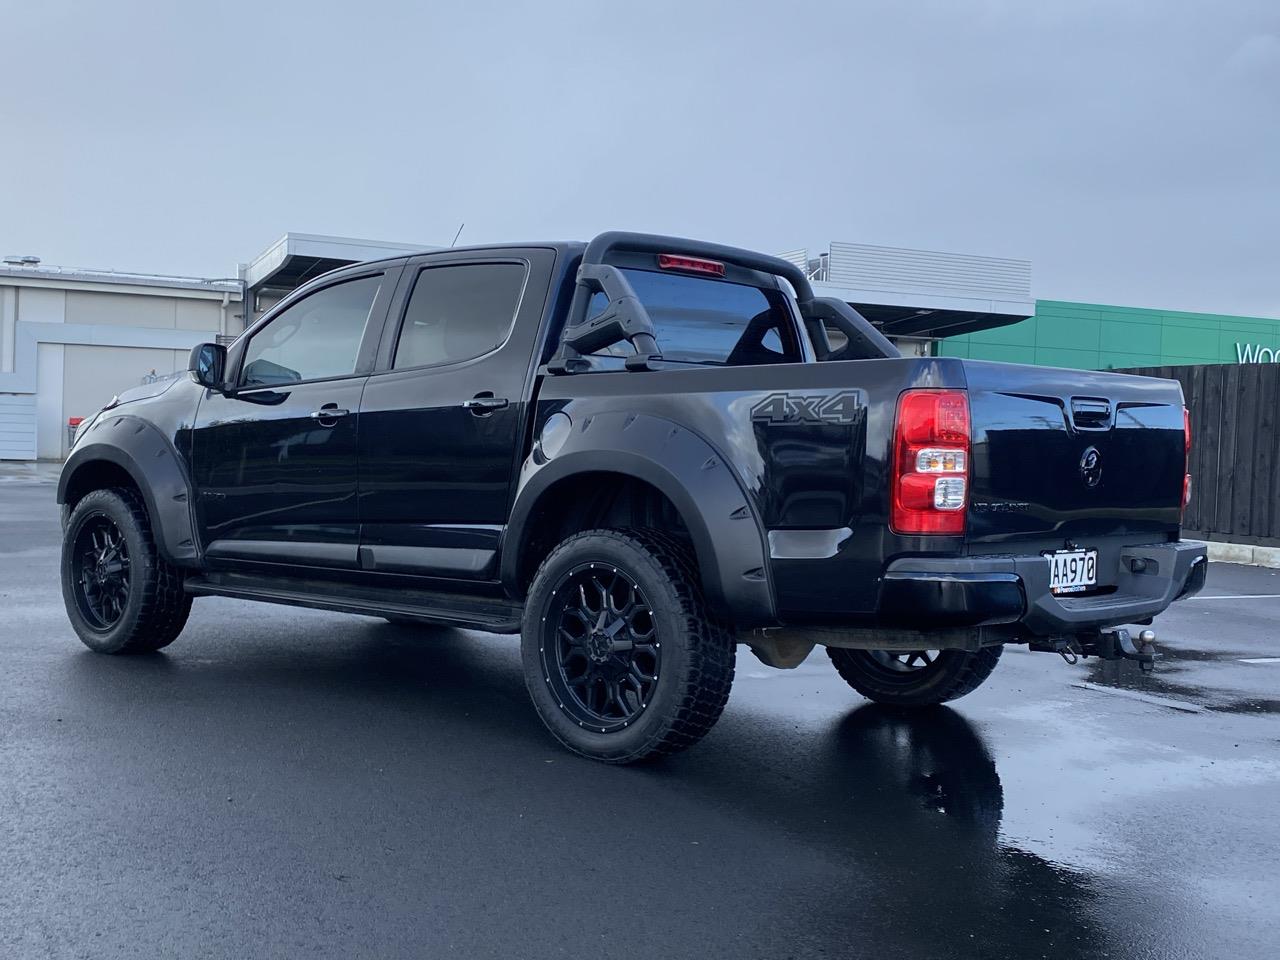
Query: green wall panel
{"points": [[998, 351], [1179, 341], [1131, 338], [1076, 333], [1060, 357], [1100, 337]]}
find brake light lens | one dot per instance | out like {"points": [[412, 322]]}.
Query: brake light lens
{"points": [[675, 261], [930, 489], [1186, 478]]}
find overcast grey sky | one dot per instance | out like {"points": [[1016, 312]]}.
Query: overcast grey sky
{"points": [[1129, 148]]}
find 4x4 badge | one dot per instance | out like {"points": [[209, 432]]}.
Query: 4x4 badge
{"points": [[844, 407]]}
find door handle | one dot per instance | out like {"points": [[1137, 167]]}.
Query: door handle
{"points": [[485, 404], [330, 411]]}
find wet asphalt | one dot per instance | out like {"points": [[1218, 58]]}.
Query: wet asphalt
{"points": [[291, 783]]}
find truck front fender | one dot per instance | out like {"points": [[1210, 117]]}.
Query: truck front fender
{"points": [[136, 446], [728, 535]]}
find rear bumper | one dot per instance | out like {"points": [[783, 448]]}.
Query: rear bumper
{"points": [[989, 590]]}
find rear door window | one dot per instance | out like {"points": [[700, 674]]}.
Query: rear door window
{"points": [[458, 312], [707, 322]]}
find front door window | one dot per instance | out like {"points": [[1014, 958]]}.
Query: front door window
{"points": [[317, 338]]}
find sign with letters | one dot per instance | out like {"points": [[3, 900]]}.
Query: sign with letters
{"points": [[1255, 353]]}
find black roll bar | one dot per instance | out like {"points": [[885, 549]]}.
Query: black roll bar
{"points": [[626, 318]]}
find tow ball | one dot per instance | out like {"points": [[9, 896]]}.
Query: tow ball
{"points": [[1116, 644]]}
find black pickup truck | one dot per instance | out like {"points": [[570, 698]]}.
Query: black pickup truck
{"points": [[636, 453]]}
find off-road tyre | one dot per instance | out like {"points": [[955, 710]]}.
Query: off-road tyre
{"points": [[950, 675], [694, 649], [156, 607]]}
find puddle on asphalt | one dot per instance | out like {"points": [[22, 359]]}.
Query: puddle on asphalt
{"points": [[1164, 682]]}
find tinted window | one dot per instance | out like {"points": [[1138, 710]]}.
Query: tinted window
{"points": [[709, 321], [316, 338], [459, 312]]}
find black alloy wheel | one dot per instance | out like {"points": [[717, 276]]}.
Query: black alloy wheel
{"points": [[897, 662], [100, 565], [121, 595], [914, 678], [600, 648], [622, 658]]}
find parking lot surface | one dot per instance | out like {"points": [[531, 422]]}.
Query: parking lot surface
{"points": [[286, 783]]}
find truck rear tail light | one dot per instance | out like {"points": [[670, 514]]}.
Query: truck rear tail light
{"points": [[675, 261], [930, 488], [1186, 439]]}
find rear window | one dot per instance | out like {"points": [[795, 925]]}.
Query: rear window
{"points": [[707, 322]]}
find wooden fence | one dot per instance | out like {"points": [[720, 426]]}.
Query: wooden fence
{"points": [[1235, 450]]}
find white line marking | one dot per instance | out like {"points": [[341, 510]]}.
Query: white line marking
{"points": [[1260, 659], [1245, 596], [1144, 697]]}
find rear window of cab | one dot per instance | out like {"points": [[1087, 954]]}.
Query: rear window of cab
{"points": [[706, 322]]}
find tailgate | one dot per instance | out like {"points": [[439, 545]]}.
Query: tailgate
{"points": [[1073, 454]]}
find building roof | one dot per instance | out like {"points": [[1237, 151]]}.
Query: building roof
{"points": [[298, 257], [922, 293], [50, 275]]}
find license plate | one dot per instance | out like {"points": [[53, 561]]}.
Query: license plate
{"points": [[1071, 571]]}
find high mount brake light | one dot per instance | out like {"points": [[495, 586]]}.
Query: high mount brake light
{"points": [[930, 488], [1186, 439], [675, 261]]}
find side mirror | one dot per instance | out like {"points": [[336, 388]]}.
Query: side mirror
{"points": [[208, 363]]}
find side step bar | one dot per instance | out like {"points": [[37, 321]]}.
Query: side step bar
{"points": [[462, 610]]}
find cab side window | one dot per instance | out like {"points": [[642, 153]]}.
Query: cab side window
{"points": [[459, 312], [317, 338]]}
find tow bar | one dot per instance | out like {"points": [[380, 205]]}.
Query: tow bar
{"points": [[1116, 644]]}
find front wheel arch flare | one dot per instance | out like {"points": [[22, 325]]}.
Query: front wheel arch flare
{"points": [[145, 454]]}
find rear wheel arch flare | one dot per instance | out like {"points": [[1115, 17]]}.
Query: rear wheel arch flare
{"points": [[685, 470], [590, 499]]}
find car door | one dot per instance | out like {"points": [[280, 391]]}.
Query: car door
{"points": [[274, 457], [444, 413]]}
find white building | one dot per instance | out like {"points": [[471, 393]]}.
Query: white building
{"points": [[71, 339], [916, 297]]}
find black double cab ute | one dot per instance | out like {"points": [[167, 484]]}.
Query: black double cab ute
{"points": [[637, 454]]}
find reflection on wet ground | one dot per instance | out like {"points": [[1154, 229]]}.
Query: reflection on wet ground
{"points": [[1178, 678]]}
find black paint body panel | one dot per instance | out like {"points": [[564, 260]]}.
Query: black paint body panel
{"points": [[265, 471], [1028, 450]]}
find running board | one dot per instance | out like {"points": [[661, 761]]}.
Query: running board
{"points": [[461, 610]]}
